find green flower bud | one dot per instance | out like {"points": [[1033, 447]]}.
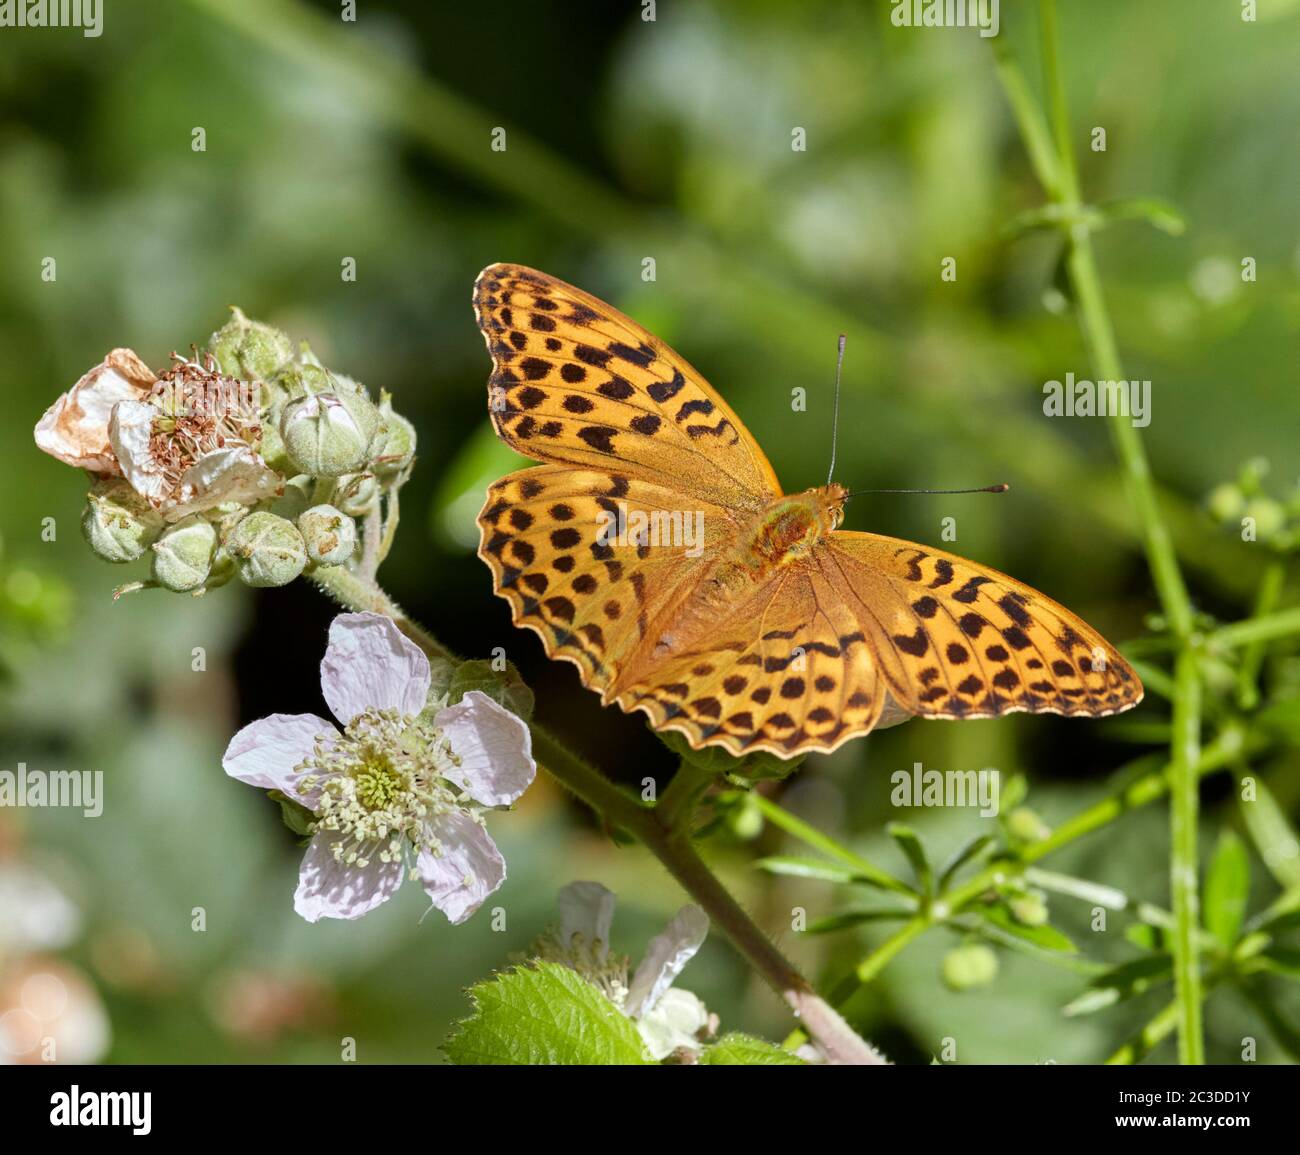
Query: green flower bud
{"points": [[395, 445], [248, 349], [1225, 502], [303, 378], [1025, 825], [296, 498], [1270, 517], [328, 434], [969, 966], [1029, 909], [118, 523], [356, 493], [268, 550], [330, 535], [271, 447], [182, 556]]}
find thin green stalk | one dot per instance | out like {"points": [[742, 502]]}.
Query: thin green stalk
{"points": [[1183, 861], [1252, 661], [1283, 624]]}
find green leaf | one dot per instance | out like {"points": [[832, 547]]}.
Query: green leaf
{"points": [[1227, 889], [1163, 215], [544, 1014], [1273, 836], [1046, 937], [796, 867], [846, 919], [757, 767], [1121, 983], [968, 851], [1282, 960], [906, 838], [737, 1050], [505, 687]]}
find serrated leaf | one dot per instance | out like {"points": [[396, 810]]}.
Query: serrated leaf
{"points": [[1227, 889], [505, 687], [737, 1050], [544, 1014]]}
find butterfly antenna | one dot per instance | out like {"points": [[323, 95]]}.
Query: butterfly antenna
{"points": [[1001, 487], [835, 419]]}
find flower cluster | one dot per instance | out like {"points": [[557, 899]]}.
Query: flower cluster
{"points": [[404, 785], [249, 459]]}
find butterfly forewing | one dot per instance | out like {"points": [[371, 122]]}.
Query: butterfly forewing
{"points": [[575, 381]]}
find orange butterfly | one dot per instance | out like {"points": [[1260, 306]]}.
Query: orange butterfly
{"points": [[656, 552]]}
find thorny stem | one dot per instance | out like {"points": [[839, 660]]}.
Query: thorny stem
{"points": [[665, 833]]}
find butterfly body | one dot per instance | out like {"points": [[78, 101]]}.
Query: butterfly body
{"points": [[656, 551]]}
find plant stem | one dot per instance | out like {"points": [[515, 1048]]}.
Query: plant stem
{"points": [[1262, 629], [1183, 862], [665, 835]]}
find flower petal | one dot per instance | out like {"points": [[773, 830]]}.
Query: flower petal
{"points": [[329, 889], [370, 662], [75, 428], [494, 747], [264, 753], [130, 430], [668, 952], [675, 1023], [587, 909], [467, 870], [235, 473]]}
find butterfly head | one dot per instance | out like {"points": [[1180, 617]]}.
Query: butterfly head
{"points": [[830, 500]]}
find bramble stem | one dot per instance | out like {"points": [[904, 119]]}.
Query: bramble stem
{"points": [[664, 832]]}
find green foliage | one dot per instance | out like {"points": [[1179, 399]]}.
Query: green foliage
{"points": [[544, 1013], [739, 1050]]}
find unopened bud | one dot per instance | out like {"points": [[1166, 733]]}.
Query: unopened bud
{"points": [[182, 556], [330, 535], [248, 349], [118, 523], [1029, 909], [969, 966], [328, 434], [1023, 823], [395, 445], [1225, 502], [268, 550]]}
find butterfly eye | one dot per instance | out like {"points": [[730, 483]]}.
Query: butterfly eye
{"points": [[837, 516]]}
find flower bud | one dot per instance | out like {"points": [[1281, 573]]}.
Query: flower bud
{"points": [[1270, 517], [118, 523], [356, 493], [330, 535], [1225, 502], [1029, 909], [182, 556], [248, 349], [302, 378], [969, 966], [1024, 824], [395, 445], [327, 434], [268, 550]]}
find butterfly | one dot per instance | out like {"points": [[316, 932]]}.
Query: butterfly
{"points": [[655, 550]]}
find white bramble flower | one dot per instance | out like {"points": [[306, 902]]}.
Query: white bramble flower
{"points": [[401, 784], [669, 1020]]}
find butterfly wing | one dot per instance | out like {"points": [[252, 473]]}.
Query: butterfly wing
{"points": [[954, 639], [551, 537], [576, 381]]}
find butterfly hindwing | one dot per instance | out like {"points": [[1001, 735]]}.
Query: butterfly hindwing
{"points": [[959, 640], [576, 381]]}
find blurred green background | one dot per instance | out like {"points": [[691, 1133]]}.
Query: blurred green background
{"points": [[626, 140]]}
